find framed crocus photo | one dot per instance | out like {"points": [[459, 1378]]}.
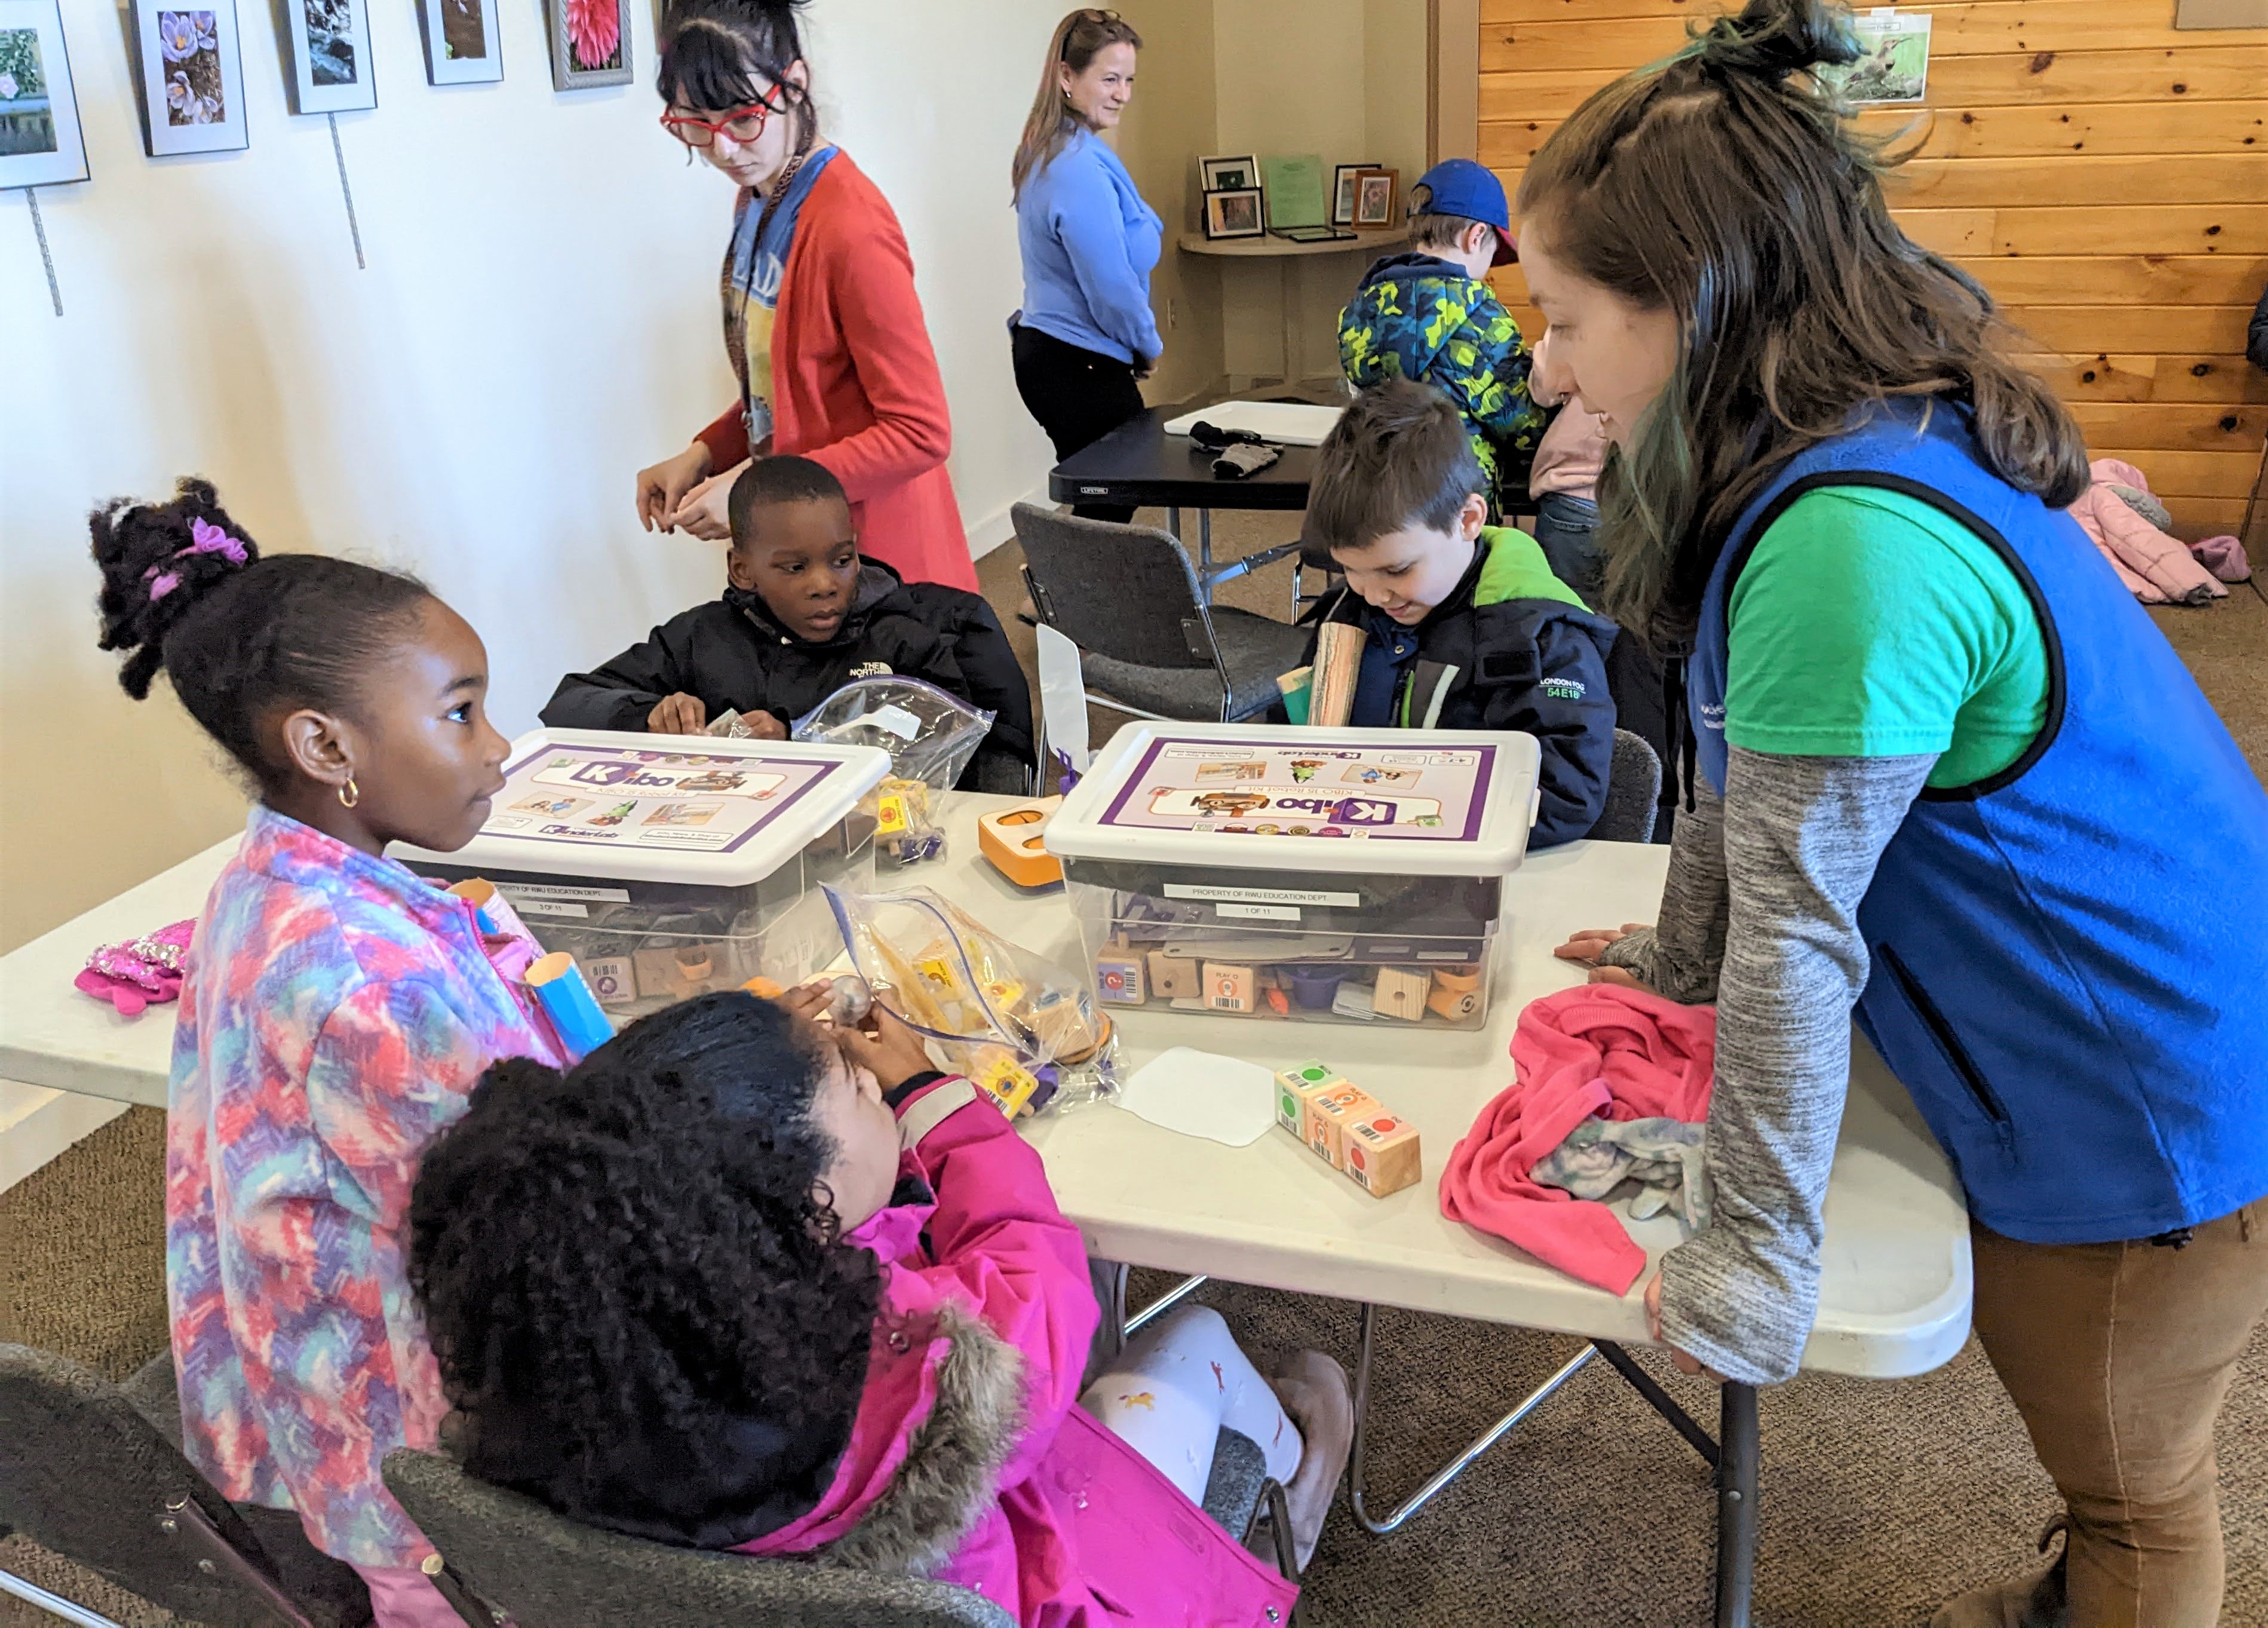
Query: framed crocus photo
{"points": [[462, 45], [40, 140], [590, 43], [192, 77], [329, 47]]}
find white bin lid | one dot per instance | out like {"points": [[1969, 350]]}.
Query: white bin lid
{"points": [[662, 808], [1404, 802]]}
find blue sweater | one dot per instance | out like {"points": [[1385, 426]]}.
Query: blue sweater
{"points": [[1088, 243]]}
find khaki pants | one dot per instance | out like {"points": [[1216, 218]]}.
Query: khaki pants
{"points": [[2118, 1356]]}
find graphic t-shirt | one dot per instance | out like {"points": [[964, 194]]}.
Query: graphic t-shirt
{"points": [[1868, 623]]}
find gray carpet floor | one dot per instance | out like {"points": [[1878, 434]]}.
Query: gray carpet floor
{"points": [[1877, 1500]]}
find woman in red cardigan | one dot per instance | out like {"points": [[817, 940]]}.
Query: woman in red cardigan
{"points": [[821, 322]]}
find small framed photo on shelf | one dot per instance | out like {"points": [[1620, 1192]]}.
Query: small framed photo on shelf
{"points": [[1234, 212], [331, 69], [40, 141], [590, 43], [1343, 192], [462, 45], [192, 78], [1377, 200], [1229, 175]]}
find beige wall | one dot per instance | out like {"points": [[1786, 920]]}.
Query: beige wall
{"points": [[537, 321], [1169, 122]]}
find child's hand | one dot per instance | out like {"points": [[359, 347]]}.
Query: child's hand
{"points": [[891, 1052], [1586, 945], [680, 714], [763, 726], [809, 1001]]}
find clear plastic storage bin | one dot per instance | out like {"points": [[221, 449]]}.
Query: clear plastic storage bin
{"points": [[669, 865], [1347, 875]]}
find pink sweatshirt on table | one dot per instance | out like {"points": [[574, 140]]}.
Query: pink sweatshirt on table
{"points": [[1596, 1049]]}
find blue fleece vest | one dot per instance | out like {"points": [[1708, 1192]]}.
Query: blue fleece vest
{"points": [[2069, 958]]}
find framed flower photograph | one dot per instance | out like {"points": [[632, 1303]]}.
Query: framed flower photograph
{"points": [[1234, 212], [590, 43], [1343, 192], [462, 45], [192, 77], [1229, 175], [40, 139], [329, 47], [1375, 200]]}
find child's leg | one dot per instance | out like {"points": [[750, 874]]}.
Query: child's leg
{"points": [[1173, 1387], [402, 1597]]}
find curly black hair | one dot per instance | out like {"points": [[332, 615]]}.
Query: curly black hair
{"points": [[244, 639], [635, 1283]]}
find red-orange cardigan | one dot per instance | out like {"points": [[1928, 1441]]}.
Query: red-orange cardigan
{"points": [[855, 384]]}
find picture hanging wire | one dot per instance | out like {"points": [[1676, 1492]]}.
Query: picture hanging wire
{"points": [[345, 191], [39, 229]]}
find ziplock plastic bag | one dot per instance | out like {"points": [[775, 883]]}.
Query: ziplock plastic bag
{"points": [[1021, 1028], [930, 735]]}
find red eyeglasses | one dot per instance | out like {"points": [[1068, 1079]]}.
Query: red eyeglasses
{"points": [[743, 124]]}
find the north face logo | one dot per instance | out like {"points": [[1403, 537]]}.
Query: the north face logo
{"points": [[871, 669]]}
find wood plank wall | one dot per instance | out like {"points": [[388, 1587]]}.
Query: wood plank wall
{"points": [[2106, 177]]}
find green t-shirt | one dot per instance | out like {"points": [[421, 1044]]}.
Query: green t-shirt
{"points": [[1869, 625]]}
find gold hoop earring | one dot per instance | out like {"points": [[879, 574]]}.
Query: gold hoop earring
{"points": [[350, 794]]}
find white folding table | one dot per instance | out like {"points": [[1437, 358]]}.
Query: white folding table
{"points": [[1895, 1283]]}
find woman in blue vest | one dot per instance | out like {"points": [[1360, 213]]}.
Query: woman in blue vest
{"points": [[1085, 332], [1953, 782]]}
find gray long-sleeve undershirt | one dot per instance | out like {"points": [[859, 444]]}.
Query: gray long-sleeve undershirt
{"points": [[1761, 910]]}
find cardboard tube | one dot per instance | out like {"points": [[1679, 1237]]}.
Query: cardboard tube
{"points": [[565, 996]]}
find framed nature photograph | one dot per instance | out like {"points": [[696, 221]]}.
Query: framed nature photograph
{"points": [[462, 45], [1343, 192], [40, 139], [1229, 175], [330, 46], [1893, 63], [1376, 203], [1234, 212], [590, 43], [192, 77]]}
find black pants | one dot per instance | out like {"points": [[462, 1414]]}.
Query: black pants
{"points": [[1078, 397]]}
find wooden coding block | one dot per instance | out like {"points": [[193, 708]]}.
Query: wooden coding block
{"points": [[1331, 1112], [1295, 1088], [1172, 976], [1381, 1152], [1228, 987], [1118, 975], [1401, 992]]}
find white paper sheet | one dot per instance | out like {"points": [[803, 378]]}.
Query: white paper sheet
{"points": [[1201, 1094]]}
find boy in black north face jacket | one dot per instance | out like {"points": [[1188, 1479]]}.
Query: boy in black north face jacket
{"points": [[802, 616], [1467, 627]]}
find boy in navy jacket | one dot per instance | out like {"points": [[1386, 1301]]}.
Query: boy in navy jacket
{"points": [[1466, 626], [802, 616]]}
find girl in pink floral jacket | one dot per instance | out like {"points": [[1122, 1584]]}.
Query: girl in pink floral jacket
{"points": [[335, 1013]]}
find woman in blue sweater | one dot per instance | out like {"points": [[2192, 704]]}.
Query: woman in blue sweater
{"points": [[1085, 332]]}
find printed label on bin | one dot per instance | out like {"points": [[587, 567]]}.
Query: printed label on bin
{"points": [[1307, 788], [627, 797]]}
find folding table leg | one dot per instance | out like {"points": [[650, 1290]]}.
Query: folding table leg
{"points": [[1358, 1494], [1736, 1504]]}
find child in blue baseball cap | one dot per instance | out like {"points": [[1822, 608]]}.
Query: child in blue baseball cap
{"points": [[1429, 314]]}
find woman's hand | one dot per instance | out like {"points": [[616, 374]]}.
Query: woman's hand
{"points": [[680, 714], [885, 1048], [661, 487], [1144, 367], [705, 509], [1586, 944], [1683, 1363]]}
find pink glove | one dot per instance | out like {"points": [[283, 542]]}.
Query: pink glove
{"points": [[141, 973]]}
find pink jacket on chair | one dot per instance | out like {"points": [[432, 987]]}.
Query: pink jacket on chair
{"points": [[970, 1460]]}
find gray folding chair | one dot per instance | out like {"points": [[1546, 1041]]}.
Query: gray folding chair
{"points": [[1128, 598], [545, 1571], [1633, 789], [87, 1474]]}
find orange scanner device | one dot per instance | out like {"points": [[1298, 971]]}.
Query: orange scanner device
{"points": [[1012, 841]]}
